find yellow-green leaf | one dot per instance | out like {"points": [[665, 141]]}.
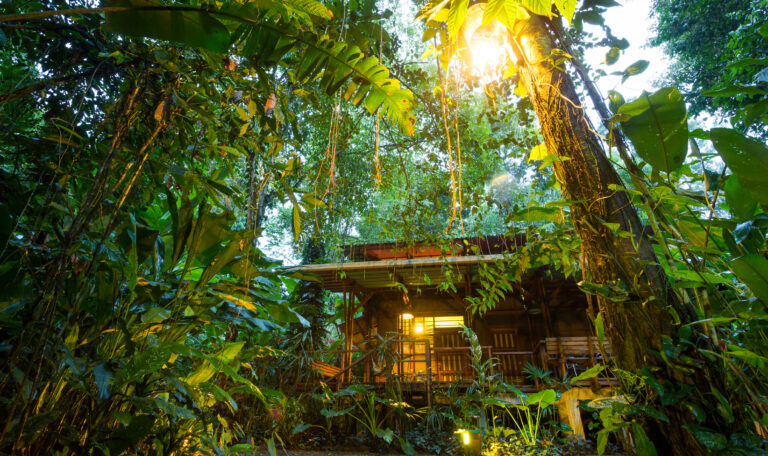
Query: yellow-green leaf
{"points": [[538, 153], [566, 8], [296, 222], [520, 90], [242, 114], [540, 7]]}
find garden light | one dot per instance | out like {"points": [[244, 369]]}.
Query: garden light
{"points": [[466, 438]]}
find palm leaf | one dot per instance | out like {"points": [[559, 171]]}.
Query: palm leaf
{"points": [[267, 39]]}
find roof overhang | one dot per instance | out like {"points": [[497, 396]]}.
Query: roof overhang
{"points": [[387, 274]]}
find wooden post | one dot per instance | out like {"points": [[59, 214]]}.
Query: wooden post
{"points": [[533, 346], [368, 339], [346, 337]]}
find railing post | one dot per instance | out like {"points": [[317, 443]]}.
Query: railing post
{"points": [[592, 361], [428, 359]]}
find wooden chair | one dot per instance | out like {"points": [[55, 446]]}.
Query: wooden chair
{"points": [[573, 355]]}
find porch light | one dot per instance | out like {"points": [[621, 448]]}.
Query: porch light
{"points": [[419, 328], [407, 316]]}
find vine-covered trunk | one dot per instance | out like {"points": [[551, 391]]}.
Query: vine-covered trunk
{"points": [[614, 246]]}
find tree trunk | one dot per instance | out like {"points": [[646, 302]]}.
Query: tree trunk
{"points": [[634, 326]]}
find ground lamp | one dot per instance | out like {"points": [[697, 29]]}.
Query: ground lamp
{"points": [[471, 441]]}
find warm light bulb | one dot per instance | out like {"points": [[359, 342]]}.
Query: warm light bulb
{"points": [[419, 328], [406, 316]]}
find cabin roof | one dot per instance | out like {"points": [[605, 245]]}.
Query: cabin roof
{"points": [[387, 274], [484, 245]]}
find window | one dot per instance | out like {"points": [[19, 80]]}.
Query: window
{"points": [[424, 326]]}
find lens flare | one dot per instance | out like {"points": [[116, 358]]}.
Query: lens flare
{"points": [[488, 54]]}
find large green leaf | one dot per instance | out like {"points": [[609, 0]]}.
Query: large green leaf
{"points": [[267, 42], [214, 364], [236, 246], [543, 398], [335, 64], [741, 203], [194, 28], [657, 125], [753, 271], [501, 10], [643, 444], [540, 7], [456, 16], [747, 158], [144, 362]]}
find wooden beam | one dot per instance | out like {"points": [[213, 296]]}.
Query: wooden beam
{"points": [[390, 264]]}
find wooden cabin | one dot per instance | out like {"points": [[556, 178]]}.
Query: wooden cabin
{"points": [[399, 293]]}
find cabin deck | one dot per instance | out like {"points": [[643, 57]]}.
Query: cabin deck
{"points": [[421, 368]]}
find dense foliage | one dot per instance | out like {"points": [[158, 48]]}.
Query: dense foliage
{"points": [[716, 46], [152, 152]]}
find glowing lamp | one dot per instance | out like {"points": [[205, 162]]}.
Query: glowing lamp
{"points": [[419, 328], [466, 437], [406, 316]]}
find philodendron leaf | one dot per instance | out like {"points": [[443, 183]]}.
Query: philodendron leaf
{"points": [[747, 158], [657, 125], [193, 28], [543, 398], [753, 271]]}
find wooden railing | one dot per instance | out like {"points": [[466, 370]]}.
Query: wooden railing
{"points": [[417, 361]]}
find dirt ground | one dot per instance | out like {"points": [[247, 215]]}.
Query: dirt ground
{"points": [[332, 453], [366, 453]]}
